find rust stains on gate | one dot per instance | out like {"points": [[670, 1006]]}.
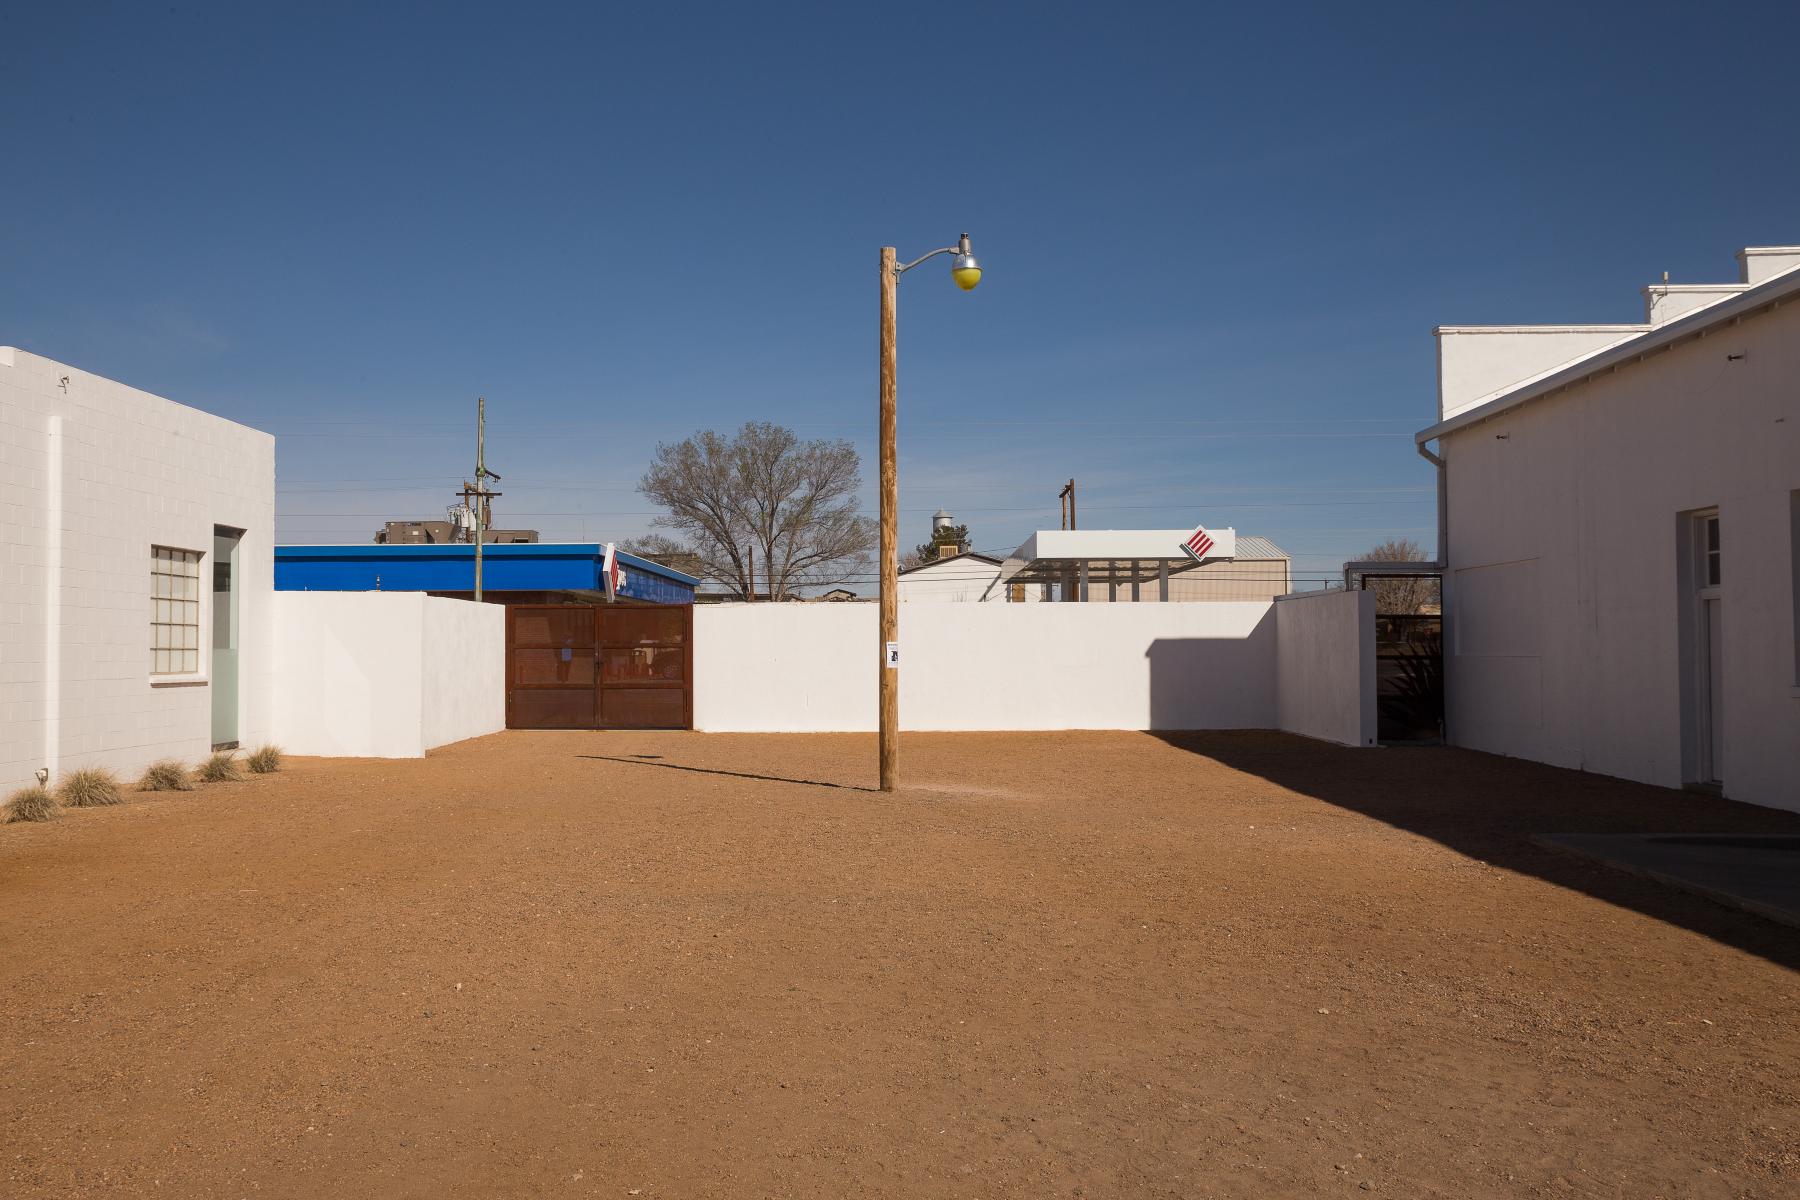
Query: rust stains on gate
{"points": [[594, 666]]}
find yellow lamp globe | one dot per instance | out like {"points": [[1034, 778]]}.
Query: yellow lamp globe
{"points": [[966, 271]]}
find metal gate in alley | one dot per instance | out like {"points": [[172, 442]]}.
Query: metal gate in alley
{"points": [[1409, 647], [599, 666]]}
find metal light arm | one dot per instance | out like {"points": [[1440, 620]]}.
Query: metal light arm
{"points": [[922, 258], [961, 250]]}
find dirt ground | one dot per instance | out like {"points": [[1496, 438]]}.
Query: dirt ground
{"points": [[685, 965]]}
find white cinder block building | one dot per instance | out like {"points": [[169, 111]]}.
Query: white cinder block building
{"points": [[136, 541], [961, 578], [1621, 532]]}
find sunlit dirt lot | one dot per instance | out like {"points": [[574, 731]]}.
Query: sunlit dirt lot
{"points": [[682, 965]]}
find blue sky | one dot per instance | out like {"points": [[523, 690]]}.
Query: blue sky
{"points": [[1216, 239]]}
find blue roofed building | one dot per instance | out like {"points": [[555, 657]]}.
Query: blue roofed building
{"points": [[511, 573]]}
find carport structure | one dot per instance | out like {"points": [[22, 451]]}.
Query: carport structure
{"points": [[1076, 559]]}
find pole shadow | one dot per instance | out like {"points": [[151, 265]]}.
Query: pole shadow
{"points": [[639, 761], [1488, 807]]}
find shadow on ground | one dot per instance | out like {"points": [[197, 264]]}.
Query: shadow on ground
{"points": [[1488, 807], [644, 760]]}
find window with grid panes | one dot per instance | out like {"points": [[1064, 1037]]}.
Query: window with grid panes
{"points": [[174, 611]]}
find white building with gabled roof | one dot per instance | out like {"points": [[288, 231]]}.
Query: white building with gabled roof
{"points": [[1620, 536]]}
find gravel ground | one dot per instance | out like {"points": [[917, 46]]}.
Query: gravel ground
{"points": [[685, 965]]}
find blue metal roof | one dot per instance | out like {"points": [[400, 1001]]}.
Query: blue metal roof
{"points": [[505, 567]]}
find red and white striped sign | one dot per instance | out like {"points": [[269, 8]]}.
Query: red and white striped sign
{"points": [[609, 569], [1198, 544]]}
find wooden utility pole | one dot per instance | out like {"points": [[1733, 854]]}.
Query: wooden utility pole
{"points": [[888, 661], [480, 517], [750, 592], [1070, 592]]}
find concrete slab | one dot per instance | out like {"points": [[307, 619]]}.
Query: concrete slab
{"points": [[1759, 873]]}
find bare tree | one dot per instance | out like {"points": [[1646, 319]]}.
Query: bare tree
{"points": [[765, 492], [1401, 597], [665, 550]]}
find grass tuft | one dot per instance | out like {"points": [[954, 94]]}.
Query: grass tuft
{"points": [[166, 776], [264, 760], [90, 787], [30, 804], [220, 768]]}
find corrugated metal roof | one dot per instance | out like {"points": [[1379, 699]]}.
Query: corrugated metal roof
{"points": [[1257, 548]]}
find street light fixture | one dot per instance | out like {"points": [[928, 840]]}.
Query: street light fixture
{"points": [[966, 272]]}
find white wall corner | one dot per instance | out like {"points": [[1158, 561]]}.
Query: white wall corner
{"points": [[1325, 666], [1664, 302], [1758, 264], [1479, 363]]}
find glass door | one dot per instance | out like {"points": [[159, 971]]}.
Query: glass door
{"points": [[225, 637]]}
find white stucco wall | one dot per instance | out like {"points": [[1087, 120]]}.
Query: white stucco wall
{"points": [[1664, 302], [1564, 594], [1478, 362], [386, 674], [92, 475], [464, 669], [779, 667], [1325, 666], [1759, 263]]}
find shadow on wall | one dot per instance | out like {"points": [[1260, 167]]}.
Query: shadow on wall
{"points": [[1487, 807], [1214, 683]]}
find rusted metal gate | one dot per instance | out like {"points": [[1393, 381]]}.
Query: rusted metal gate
{"points": [[599, 666]]}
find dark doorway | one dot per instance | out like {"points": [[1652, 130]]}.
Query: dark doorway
{"points": [[1409, 678], [596, 666], [1409, 648]]}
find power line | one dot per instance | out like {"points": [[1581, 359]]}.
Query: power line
{"points": [[434, 483], [653, 512]]}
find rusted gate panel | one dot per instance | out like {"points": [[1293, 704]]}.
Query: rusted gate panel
{"points": [[646, 667], [589, 666]]}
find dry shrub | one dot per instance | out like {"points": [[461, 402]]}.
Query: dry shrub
{"points": [[264, 760], [90, 787], [220, 768], [30, 804], [166, 776]]}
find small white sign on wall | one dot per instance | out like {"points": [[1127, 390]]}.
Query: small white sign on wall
{"points": [[893, 655]]}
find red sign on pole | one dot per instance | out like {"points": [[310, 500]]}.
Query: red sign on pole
{"points": [[1198, 544]]}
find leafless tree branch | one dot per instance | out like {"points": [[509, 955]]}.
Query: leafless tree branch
{"points": [[763, 492]]}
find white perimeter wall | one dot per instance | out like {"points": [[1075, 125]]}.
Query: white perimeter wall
{"points": [[92, 475], [792, 667], [1565, 595], [464, 670], [1325, 665], [386, 674]]}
